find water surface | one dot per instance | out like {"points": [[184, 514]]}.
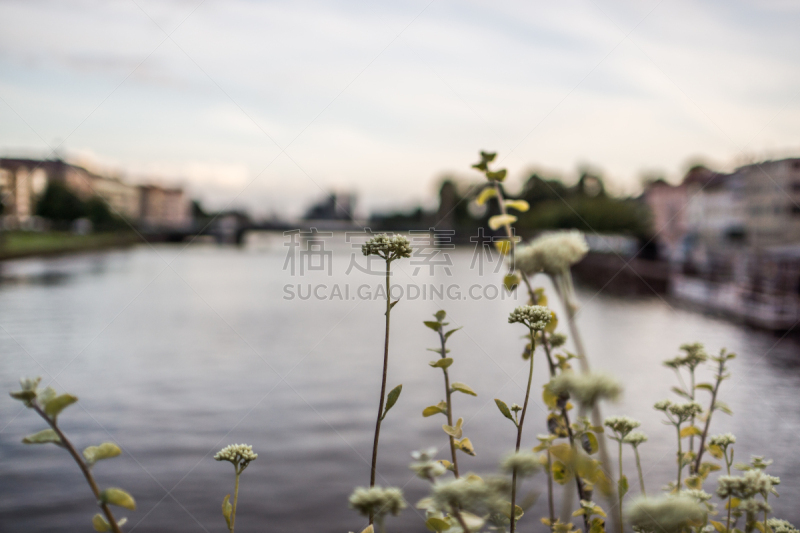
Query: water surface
{"points": [[176, 352]]}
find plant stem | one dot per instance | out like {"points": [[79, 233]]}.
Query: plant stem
{"points": [[550, 503], [708, 419], [383, 383], [728, 466], [639, 468], [513, 513], [460, 519], [597, 416], [235, 499], [680, 457], [565, 415], [81, 464], [621, 530], [448, 395], [692, 469]]}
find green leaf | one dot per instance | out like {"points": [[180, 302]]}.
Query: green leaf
{"points": [[590, 444], [553, 324], [511, 280], [391, 399], [504, 409], [518, 512], [435, 409], [227, 509], [438, 350], [689, 431], [519, 205], [622, 486], [498, 221], [715, 450], [43, 437], [100, 523], [447, 335], [722, 406], [465, 445], [681, 392], [440, 314], [705, 386], [560, 474], [24, 395], [442, 363], [486, 194], [437, 524], [433, 324], [461, 387], [392, 305], [58, 404], [454, 431], [719, 526], [107, 450], [119, 498], [497, 175]]}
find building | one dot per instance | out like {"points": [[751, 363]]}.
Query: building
{"points": [[667, 205], [22, 181], [773, 202]]}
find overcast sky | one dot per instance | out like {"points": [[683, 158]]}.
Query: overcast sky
{"points": [[268, 104]]}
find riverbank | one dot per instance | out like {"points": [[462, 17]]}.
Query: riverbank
{"points": [[18, 244]]}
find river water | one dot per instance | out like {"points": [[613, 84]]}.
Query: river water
{"points": [[177, 351]]}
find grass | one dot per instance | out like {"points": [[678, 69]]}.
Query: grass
{"points": [[27, 243]]}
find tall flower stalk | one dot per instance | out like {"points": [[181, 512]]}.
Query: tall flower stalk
{"points": [[535, 318], [239, 455], [390, 249]]}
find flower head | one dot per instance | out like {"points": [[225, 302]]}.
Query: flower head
{"points": [[425, 466], [662, 405], [635, 438], [723, 441], [781, 526], [29, 390], [240, 455], [472, 493], [694, 354], [377, 501], [523, 463], [587, 388], [534, 316], [552, 253], [685, 411], [669, 514], [622, 425], [390, 248]]}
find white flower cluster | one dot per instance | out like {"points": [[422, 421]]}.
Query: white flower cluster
{"points": [[377, 501], [534, 316], [473, 494], [425, 466], [723, 441], [695, 354], [635, 438], [752, 483], [781, 526], [390, 248], [621, 424], [669, 514], [238, 454], [685, 411], [588, 388], [552, 253], [524, 463]]}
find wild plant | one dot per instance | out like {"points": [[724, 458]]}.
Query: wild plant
{"points": [[445, 407], [389, 249], [239, 455], [48, 404]]}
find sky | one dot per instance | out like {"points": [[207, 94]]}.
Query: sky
{"points": [[270, 105]]}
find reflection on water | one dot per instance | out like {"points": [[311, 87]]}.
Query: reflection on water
{"points": [[175, 354]]}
